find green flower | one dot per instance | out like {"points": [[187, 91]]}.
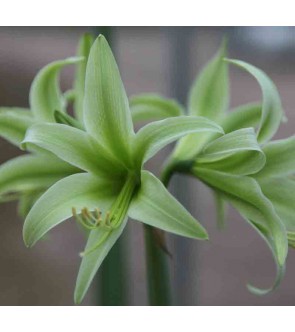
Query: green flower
{"points": [[28, 176], [241, 158], [113, 185], [241, 166], [276, 180]]}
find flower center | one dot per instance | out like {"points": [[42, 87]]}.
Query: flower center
{"points": [[113, 218]]}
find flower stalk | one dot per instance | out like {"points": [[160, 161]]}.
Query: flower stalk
{"points": [[158, 276]]}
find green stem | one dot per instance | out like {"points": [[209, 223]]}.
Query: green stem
{"points": [[158, 276], [175, 166], [113, 288]]}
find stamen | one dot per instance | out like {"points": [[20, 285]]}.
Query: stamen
{"points": [[83, 219], [113, 218], [89, 217], [93, 220]]}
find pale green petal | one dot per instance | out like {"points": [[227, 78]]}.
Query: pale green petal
{"points": [[45, 94], [244, 116], [55, 205], [107, 116], [85, 44], [245, 195], [69, 97], [279, 277], [30, 172], [14, 122], [151, 107], [253, 216], [92, 261], [272, 112], [155, 206], [209, 95], [237, 153], [280, 158], [64, 118], [154, 136], [247, 190], [26, 201], [73, 146], [281, 192]]}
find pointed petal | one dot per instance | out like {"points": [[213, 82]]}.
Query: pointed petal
{"points": [[245, 191], [253, 218], [237, 153], [45, 94], [14, 122], [30, 172], [281, 192], [280, 158], [26, 201], [55, 205], [64, 118], [246, 196], [154, 136], [151, 107], [263, 291], [106, 108], [209, 95], [92, 261], [155, 206], [85, 44], [73, 146], [244, 116], [272, 112]]}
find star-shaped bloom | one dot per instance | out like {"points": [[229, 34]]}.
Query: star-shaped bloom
{"points": [[113, 185], [241, 166]]}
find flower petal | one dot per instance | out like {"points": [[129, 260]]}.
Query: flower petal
{"points": [[154, 136], [107, 116], [272, 112], [237, 153], [14, 122], [26, 173], [74, 146], [246, 191], [45, 94], [244, 116], [281, 192], [151, 107], [155, 206], [26, 201], [209, 95], [245, 195], [55, 205], [85, 44], [92, 261], [280, 158]]}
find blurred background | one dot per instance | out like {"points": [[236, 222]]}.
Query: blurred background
{"points": [[163, 60]]}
